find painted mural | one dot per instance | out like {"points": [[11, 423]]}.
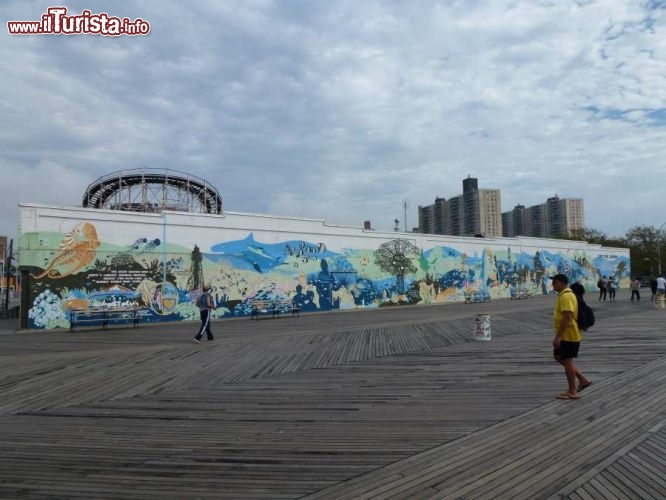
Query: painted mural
{"points": [[79, 269]]}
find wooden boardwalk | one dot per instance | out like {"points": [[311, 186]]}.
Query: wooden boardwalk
{"points": [[392, 403]]}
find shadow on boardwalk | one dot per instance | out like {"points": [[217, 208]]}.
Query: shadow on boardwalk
{"points": [[384, 403]]}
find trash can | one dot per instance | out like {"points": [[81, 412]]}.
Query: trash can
{"points": [[481, 327], [660, 301]]}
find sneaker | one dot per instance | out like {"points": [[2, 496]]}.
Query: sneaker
{"points": [[197, 341]]}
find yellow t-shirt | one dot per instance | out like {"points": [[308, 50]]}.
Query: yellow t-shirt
{"points": [[566, 301]]}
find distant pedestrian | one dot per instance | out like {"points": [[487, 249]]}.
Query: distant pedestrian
{"points": [[567, 337], [601, 285], [635, 289], [205, 306], [653, 287], [661, 285], [611, 287]]}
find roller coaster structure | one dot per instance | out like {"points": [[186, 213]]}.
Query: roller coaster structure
{"points": [[153, 190]]}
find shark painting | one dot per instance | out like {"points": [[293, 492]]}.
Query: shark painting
{"points": [[264, 257]]}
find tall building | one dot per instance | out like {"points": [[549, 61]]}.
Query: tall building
{"points": [[535, 221], [573, 213], [515, 221], [433, 216], [490, 212], [556, 218], [453, 216], [474, 212]]}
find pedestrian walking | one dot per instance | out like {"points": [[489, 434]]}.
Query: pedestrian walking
{"points": [[601, 285], [661, 285], [611, 287], [205, 306], [635, 289], [653, 286], [567, 339]]}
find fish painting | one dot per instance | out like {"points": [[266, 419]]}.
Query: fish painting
{"points": [[144, 245], [138, 243], [77, 250], [152, 244]]}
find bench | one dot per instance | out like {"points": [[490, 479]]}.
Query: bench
{"points": [[520, 293], [95, 316], [471, 297], [11, 312], [274, 307]]}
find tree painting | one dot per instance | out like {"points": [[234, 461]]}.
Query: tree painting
{"points": [[395, 257], [196, 278]]}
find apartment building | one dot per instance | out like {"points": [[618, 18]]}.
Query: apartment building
{"points": [[475, 212], [556, 218]]}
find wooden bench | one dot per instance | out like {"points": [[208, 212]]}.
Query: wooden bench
{"points": [[471, 297], [274, 307], [520, 293], [95, 316]]}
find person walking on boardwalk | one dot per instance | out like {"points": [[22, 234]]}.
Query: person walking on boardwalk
{"points": [[635, 289], [601, 285], [611, 287], [567, 337], [205, 306], [661, 285]]}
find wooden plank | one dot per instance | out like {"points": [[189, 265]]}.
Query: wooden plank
{"points": [[345, 405], [605, 488]]}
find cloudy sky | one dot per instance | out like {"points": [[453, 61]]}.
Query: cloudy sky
{"points": [[343, 110]]}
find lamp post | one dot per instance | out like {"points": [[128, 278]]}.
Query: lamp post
{"points": [[659, 247], [8, 271]]}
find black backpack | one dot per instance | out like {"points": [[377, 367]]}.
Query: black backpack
{"points": [[585, 315]]}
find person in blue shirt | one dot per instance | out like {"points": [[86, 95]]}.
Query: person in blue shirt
{"points": [[205, 306]]}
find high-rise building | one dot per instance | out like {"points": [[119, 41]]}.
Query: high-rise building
{"points": [[453, 216], [474, 212], [478, 212], [573, 213], [556, 218], [433, 216], [535, 221], [490, 212], [515, 221]]}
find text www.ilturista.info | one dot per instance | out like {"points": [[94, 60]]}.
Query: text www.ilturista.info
{"points": [[57, 22]]}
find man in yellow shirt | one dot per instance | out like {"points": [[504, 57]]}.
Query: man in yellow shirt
{"points": [[567, 336]]}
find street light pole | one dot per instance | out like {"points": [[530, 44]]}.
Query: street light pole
{"points": [[659, 246], [9, 272], [404, 205], [2, 276]]}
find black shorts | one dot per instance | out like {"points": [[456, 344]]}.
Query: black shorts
{"points": [[566, 350]]}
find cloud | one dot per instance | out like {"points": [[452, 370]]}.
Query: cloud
{"points": [[344, 110]]}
